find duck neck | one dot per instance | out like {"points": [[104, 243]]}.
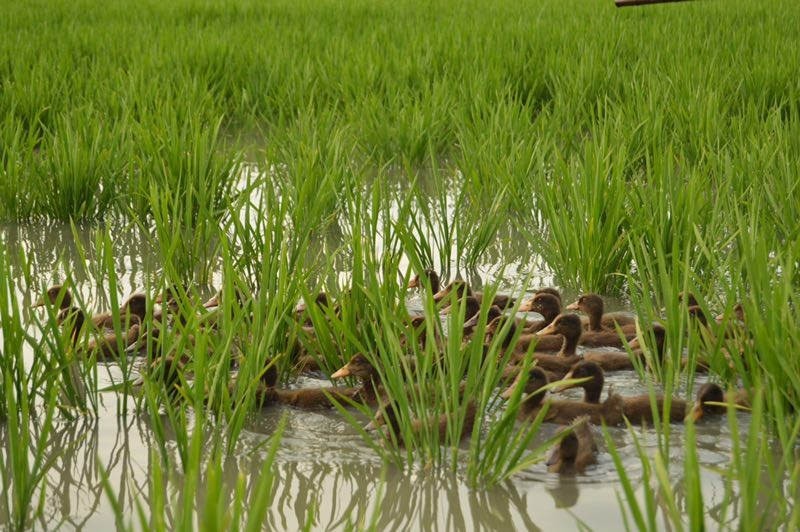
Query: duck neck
{"points": [[533, 402], [596, 319], [570, 345], [592, 391]]}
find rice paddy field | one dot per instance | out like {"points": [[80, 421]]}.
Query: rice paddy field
{"points": [[261, 153]]}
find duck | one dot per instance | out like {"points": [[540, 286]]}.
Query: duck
{"points": [[441, 424], [55, 295], [576, 450], [305, 398], [135, 305], [712, 393], [417, 333], [102, 345], [462, 289], [359, 366], [472, 307], [322, 301], [592, 306], [637, 409], [544, 343], [493, 313], [431, 276], [544, 303], [689, 298], [60, 295], [550, 291], [561, 412], [659, 335], [566, 326]]}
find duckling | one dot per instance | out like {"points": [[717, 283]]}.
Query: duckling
{"points": [[712, 393], [388, 416], [550, 291], [462, 289], [659, 336], [469, 325], [562, 412], [546, 304], [55, 295], [322, 301], [637, 409], [472, 307], [569, 327], [433, 279], [135, 305], [548, 343], [359, 366], [417, 331], [689, 298], [61, 296], [576, 451], [103, 346], [592, 306], [307, 398]]}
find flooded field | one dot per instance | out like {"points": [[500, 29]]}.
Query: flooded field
{"points": [[326, 476]]}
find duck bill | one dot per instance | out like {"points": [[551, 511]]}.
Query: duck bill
{"points": [[550, 329], [508, 392], [212, 303], [554, 457], [472, 322], [39, 303], [573, 306], [441, 294], [342, 372], [413, 283], [526, 306], [635, 343], [697, 413]]}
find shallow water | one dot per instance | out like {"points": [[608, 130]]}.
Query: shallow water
{"points": [[324, 469]]}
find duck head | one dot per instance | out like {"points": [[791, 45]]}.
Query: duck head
{"points": [[593, 383]]}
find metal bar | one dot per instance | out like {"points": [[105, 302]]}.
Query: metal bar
{"points": [[626, 3]]}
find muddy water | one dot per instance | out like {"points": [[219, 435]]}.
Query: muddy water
{"points": [[325, 471]]}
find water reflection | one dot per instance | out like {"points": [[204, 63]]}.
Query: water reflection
{"points": [[338, 481], [324, 472]]}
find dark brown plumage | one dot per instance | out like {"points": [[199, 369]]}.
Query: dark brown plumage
{"points": [[388, 416], [576, 451], [562, 412], [592, 306], [637, 409]]}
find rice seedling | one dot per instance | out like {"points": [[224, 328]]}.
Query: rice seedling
{"points": [[300, 147]]}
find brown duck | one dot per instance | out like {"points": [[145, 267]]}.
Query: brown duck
{"points": [[561, 412], [441, 424], [712, 393], [102, 345], [576, 451], [306, 398], [462, 289], [546, 304], [592, 305], [637, 409]]}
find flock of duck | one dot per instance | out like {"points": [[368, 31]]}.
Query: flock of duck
{"points": [[550, 343]]}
